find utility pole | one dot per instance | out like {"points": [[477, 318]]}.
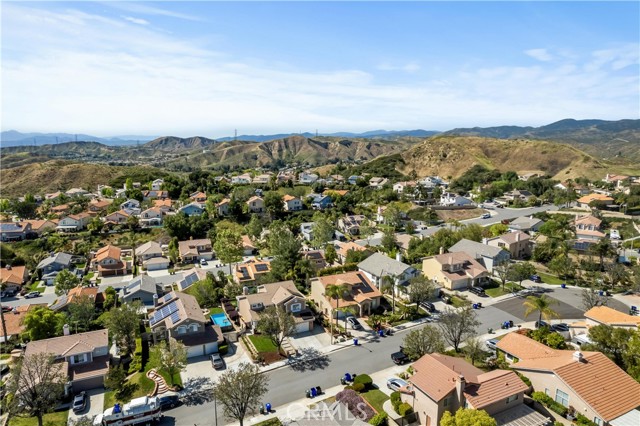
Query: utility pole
{"points": [[235, 135]]}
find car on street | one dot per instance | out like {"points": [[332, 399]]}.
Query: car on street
{"points": [[79, 402], [400, 357], [168, 400], [486, 216], [536, 278], [354, 323], [32, 294], [203, 262], [428, 306], [395, 384], [479, 291], [542, 323], [6, 308], [492, 344], [216, 361], [560, 327]]}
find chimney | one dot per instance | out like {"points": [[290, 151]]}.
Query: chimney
{"points": [[155, 300], [577, 356], [485, 241], [517, 237], [8, 267], [441, 251], [65, 330], [245, 290], [460, 385], [399, 256]]}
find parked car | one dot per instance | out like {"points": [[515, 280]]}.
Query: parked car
{"points": [[395, 383], [79, 402], [203, 262], [217, 361], [428, 306], [542, 324], [486, 216], [168, 400], [6, 308], [32, 294], [354, 323], [536, 278], [561, 327], [400, 357], [477, 291], [492, 344]]}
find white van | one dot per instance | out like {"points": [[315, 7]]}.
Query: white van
{"points": [[581, 339]]}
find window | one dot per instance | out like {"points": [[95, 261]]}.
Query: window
{"points": [[296, 307], [597, 421], [547, 392], [194, 327], [562, 398], [446, 402], [78, 359], [512, 398], [182, 330]]}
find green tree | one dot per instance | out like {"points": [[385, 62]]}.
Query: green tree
{"points": [[322, 231], [239, 390], [631, 356], [330, 254], [421, 289], [474, 349], [37, 385], [285, 249], [277, 324], [503, 271], [467, 417], [562, 266], [336, 292], [603, 249], [421, 341], [389, 242], [169, 357], [228, 246], [42, 323], [65, 281], [82, 312], [521, 271], [611, 341], [273, 204], [367, 229], [541, 305], [110, 298], [124, 326], [457, 326], [255, 226]]}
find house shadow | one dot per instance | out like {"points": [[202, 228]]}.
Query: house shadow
{"points": [[197, 391], [308, 359]]}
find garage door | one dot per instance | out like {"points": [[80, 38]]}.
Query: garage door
{"points": [[87, 384], [193, 351], [303, 326]]}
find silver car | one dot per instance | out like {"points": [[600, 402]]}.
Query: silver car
{"points": [[216, 361], [395, 383]]}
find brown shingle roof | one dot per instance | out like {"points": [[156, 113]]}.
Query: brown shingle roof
{"points": [[609, 316], [70, 345], [109, 251], [588, 220]]}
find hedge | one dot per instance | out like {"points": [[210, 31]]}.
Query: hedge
{"points": [[358, 387], [363, 379], [546, 400], [404, 409], [379, 419], [395, 400]]}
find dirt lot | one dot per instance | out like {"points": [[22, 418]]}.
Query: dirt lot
{"points": [[447, 215]]}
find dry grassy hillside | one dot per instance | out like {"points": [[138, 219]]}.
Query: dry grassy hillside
{"points": [[453, 155]]}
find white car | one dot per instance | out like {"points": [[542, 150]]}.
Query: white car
{"points": [[395, 384], [614, 234]]}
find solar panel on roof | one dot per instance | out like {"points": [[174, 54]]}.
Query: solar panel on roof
{"points": [[261, 267], [175, 317], [188, 281], [163, 312]]}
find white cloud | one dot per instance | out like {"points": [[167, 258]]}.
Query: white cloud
{"points": [[410, 67], [539, 54], [138, 21], [145, 9]]}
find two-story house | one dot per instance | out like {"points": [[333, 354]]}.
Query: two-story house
{"points": [[130, 204], [148, 250], [155, 195], [528, 224], [198, 197], [454, 200], [178, 315], [359, 294], [306, 178], [455, 271], [404, 187], [13, 231], [517, 243], [587, 383], [192, 251], [143, 289], [379, 265], [442, 383], [488, 256], [156, 185], [306, 230], [588, 232], [248, 273], [586, 201], [77, 192], [256, 204], [117, 218], [350, 224], [13, 277], [378, 182], [151, 217], [222, 208], [83, 356], [99, 205], [165, 205], [316, 258], [74, 222], [283, 295], [39, 227], [192, 209], [243, 179], [320, 201], [108, 262], [262, 179], [50, 266], [291, 203]]}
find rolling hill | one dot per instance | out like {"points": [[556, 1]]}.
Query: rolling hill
{"points": [[453, 155]]}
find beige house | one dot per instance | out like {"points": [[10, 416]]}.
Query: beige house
{"points": [[194, 250], [108, 261], [363, 296], [584, 201], [13, 277], [517, 243], [74, 222], [147, 251], [342, 249], [248, 273], [443, 383], [291, 203], [118, 217], [284, 295], [222, 208], [455, 271], [608, 316], [587, 382], [151, 217], [41, 226], [256, 204]]}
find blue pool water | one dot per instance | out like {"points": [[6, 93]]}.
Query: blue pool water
{"points": [[221, 320]]}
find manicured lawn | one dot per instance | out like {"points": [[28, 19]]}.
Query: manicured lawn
{"points": [[550, 279], [497, 291], [216, 311], [177, 378], [144, 386], [262, 343], [271, 422], [52, 419], [376, 398], [459, 302]]}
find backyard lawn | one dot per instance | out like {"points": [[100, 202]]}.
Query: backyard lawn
{"points": [[52, 419], [262, 343], [213, 311], [376, 398]]}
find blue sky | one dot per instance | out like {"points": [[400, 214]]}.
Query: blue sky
{"points": [[207, 68]]}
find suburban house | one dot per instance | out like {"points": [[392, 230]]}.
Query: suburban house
{"points": [[618, 180], [179, 316], [360, 294], [526, 224], [335, 192], [191, 277], [198, 197], [587, 229], [142, 288], [165, 205], [444, 383], [156, 185], [379, 265], [117, 218], [601, 199], [454, 200], [79, 292], [404, 187], [305, 178], [320, 201], [147, 251], [77, 192], [14, 323], [518, 195], [14, 231], [488, 256], [222, 208], [284, 295], [243, 179], [306, 229], [60, 209], [378, 182], [256, 204], [262, 179], [343, 249], [108, 261], [151, 217], [517, 243], [248, 273], [130, 204], [192, 209], [156, 264], [291, 203], [39, 227], [248, 248], [353, 179], [192, 251], [50, 266], [155, 195], [13, 277], [83, 356], [608, 316], [455, 271], [587, 383], [350, 224], [98, 206], [74, 222], [316, 257]]}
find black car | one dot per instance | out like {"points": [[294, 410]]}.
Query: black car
{"points": [[478, 291], [168, 400], [399, 357], [536, 278], [428, 306]]}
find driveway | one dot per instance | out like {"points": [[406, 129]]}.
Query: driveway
{"points": [[200, 372], [316, 340], [115, 281], [94, 406]]}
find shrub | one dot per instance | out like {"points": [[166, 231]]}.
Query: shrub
{"points": [[363, 379], [404, 409], [379, 419], [395, 400], [556, 423], [223, 349], [542, 398], [559, 408], [524, 379], [582, 420], [358, 387], [356, 404]]}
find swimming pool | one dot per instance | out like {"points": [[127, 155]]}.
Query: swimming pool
{"points": [[221, 320]]}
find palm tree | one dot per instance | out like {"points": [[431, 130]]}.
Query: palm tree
{"points": [[335, 291], [542, 305], [602, 249], [389, 284]]}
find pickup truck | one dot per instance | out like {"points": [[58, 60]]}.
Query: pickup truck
{"points": [[400, 357]]}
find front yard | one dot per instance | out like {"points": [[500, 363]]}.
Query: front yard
{"points": [[495, 289], [262, 343], [52, 419], [376, 398]]}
